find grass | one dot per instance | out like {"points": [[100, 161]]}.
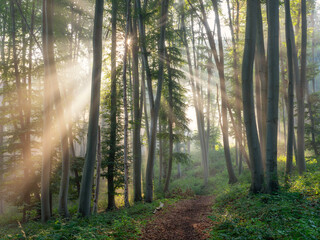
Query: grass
{"points": [[118, 224], [292, 213]]}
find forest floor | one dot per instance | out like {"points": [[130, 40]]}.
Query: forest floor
{"points": [[186, 219]]}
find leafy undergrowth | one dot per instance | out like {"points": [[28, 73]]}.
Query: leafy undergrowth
{"points": [[293, 213], [117, 224]]}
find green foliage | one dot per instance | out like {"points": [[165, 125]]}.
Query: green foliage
{"points": [[293, 213], [310, 128], [118, 224]]}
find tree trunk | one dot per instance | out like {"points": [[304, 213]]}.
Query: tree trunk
{"points": [[47, 120], [97, 190], [257, 177], [170, 124], [61, 121], [289, 41], [156, 105], [87, 177], [263, 76], [136, 147], [273, 96], [301, 163], [113, 117], [125, 106], [224, 98]]}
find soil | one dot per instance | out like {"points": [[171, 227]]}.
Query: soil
{"points": [[186, 219]]}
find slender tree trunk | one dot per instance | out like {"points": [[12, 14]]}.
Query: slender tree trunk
{"points": [[170, 124], [98, 173], [273, 96], [194, 95], [301, 89], [235, 39], [156, 105], [257, 177], [263, 76], [125, 106], [160, 156], [289, 41], [136, 117], [47, 121], [224, 98], [87, 177], [61, 121], [113, 117]]}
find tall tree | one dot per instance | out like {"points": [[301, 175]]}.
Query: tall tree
{"points": [[301, 90], [263, 82], [290, 42], [273, 96], [257, 177], [137, 110], [219, 60], [113, 117], [155, 104], [47, 119], [88, 169], [125, 106]]}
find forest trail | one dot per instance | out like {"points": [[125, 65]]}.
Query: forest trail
{"points": [[186, 219]]}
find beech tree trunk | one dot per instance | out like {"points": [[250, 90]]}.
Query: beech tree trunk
{"points": [[88, 169], [301, 163], [289, 41], [137, 110], [113, 117], [257, 177], [273, 96], [156, 104], [125, 106]]}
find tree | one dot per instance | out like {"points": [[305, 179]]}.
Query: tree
{"points": [[290, 42], [88, 169], [113, 117], [257, 177], [47, 119], [273, 96], [301, 90], [125, 106], [137, 111], [155, 104], [219, 60]]}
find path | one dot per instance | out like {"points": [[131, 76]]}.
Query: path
{"points": [[187, 219]]}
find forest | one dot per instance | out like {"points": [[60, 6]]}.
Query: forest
{"points": [[159, 119]]}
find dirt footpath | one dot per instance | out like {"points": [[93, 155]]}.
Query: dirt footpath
{"points": [[186, 219]]}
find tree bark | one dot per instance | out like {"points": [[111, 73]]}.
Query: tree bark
{"points": [[257, 177], [301, 163], [47, 121], [113, 117], [156, 104], [87, 177], [224, 98], [98, 173], [136, 147], [273, 96], [170, 124], [125, 106], [263, 77]]}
